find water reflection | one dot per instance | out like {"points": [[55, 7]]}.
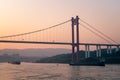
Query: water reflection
{"points": [[75, 72], [110, 72], [30, 71]]}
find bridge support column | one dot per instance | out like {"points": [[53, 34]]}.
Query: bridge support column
{"points": [[87, 51], [108, 51], [77, 34], [117, 48], [73, 43], [97, 51], [86, 56]]}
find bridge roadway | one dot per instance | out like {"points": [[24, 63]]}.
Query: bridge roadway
{"points": [[57, 43]]}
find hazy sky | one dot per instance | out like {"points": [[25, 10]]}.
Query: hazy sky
{"points": [[19, 16]]}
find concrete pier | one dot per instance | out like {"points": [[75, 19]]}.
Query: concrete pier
{"points": [[87, 51]]}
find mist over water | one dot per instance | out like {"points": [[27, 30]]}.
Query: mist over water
{"points": [[33, 71]]}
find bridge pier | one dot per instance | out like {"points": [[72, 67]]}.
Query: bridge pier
{"points": [[87, 51], [117, 48], [109, 49], [98, 51]]}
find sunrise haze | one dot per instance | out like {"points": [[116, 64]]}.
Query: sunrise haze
{"points": [[20, 16]]}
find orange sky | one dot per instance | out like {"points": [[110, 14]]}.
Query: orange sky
{"points": [[19, 16]]}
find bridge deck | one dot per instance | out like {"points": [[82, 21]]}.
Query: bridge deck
{"points": [[57, 43]]}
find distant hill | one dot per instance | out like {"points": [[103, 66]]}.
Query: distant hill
{"points": [[62, 58], [113, 58], [35, 52]]}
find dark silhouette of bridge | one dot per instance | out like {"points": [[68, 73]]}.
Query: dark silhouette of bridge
{"points": [[75, 42]]}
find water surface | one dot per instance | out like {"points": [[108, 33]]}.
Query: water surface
{"points": [[34, 71]]}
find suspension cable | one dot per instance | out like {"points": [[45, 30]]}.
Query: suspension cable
{"points": [[95, 33], [99, 31], [36, 30]]}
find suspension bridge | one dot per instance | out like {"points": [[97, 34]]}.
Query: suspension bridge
{"points": [[67, 35]]}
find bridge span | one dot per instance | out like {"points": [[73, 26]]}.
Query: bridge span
{"points": [[75, 41], [57, 43], [87, 46]]}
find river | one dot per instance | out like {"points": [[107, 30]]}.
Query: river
{"points": [[38, 71]]}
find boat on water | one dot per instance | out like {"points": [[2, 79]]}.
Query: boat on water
{"points": [[15, 62], [15, 59]]}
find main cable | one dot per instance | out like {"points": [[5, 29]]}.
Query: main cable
{"points": [[36, 30]]}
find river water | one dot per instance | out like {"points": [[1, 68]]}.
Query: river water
{"points": [[38, 71]]}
